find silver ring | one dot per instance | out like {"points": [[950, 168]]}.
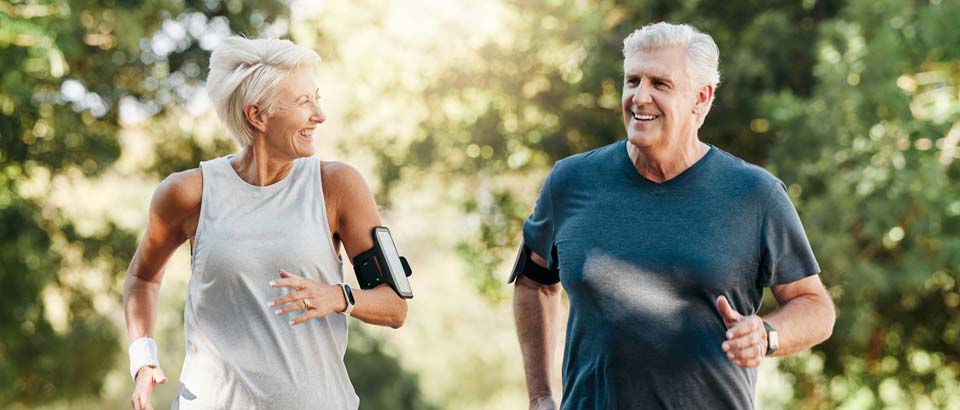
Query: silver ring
{"points": [[306, 303]]}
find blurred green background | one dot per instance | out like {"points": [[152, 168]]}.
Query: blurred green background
{"points": [[455, 111]]}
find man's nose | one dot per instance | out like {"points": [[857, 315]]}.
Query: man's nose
{"points": [[641, 95]]}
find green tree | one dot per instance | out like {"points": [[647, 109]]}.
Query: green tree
{"points": [[68, 71], [871, 160], [506, 112], [66, 68], [853, 104]]}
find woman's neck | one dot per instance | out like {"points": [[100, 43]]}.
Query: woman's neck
{"points": [[257, 167]]}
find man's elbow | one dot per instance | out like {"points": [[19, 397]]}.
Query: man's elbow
{"points": [[829, 317]]}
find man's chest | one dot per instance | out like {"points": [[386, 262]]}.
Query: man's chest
{"points": [[682, 244]]}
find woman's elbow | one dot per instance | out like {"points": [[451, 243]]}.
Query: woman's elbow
{"points": [[400, 315]]}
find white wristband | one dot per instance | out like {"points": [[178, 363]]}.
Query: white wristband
{"points": [[143, 352]]}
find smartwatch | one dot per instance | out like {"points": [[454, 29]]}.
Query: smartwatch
{"points": [[382, 264], [348, 296], [773, 340]]}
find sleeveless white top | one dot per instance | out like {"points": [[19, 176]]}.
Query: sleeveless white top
{"points": [[239, 354]]}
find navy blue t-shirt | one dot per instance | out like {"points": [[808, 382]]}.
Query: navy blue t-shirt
{"points": [[643, 264]]}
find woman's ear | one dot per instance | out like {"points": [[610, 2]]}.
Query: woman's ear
{"points": [[256, 117]]}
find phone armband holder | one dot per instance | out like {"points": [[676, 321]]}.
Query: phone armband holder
{"points": [[383, 264]]}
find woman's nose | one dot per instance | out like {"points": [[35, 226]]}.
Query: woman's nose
{"points": [[318, 115]]}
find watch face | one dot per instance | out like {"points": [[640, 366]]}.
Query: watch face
{"points": [[349, 291]]}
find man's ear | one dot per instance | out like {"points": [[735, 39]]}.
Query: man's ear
{"points": [[704, 98], [256, 117]]}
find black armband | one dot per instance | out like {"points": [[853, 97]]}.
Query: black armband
{"points": [[382, 264], [525, 266]]}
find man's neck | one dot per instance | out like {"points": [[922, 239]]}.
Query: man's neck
{"points": [[663, 163]]}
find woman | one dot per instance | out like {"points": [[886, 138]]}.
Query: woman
{"points": [[265, 227]]}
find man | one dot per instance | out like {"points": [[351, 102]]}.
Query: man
{"points": [[664, 245]]}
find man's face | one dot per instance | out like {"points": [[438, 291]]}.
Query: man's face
{"points": [[296, 115], [658, 100]]}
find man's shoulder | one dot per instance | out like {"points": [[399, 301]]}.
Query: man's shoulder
{"points": [[743, 173], [592, 161]]}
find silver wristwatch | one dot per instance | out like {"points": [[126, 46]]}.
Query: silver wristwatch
{"points": [[773, 339]]}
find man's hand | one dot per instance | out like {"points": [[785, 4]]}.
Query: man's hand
{"points": [[543, 403], [147, 378], [746, 338]]}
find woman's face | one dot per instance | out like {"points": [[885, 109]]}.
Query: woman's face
{"points": [[296, 115]]}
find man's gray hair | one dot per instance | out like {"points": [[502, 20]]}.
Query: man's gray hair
{"points": [[248, 71], [702, 54]]}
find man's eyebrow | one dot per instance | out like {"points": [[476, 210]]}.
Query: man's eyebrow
{"points": [[652, 75], [660, 76]]}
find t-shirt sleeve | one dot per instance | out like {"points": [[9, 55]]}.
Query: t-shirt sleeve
{"points": [[786, 253], [540, 228]]}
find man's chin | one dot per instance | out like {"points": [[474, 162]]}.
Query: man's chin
{"points": [[641, 141]]}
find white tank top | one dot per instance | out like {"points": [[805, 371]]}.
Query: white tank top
{"points": [[239, 354]]}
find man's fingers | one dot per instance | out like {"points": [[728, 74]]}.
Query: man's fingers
{"points": [[744, 327], [752, 352], [747, 363], [285, 274], [754, 338], [727, 311]]}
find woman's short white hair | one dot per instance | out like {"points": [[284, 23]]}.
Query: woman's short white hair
{"points": [[248, 71], [702, 54]]}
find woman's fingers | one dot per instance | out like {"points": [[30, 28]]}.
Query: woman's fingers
{"points": [[289, 298], [159, 377], [292, 283], [311, 314], [147, 379]]}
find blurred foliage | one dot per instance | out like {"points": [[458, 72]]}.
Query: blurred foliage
{"points": [[852, 103], [70, 73], [871, 157], [518, 104], [377, 376]]}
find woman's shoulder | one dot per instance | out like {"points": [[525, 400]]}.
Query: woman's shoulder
{"points": [[180, 191], [342, 177]]}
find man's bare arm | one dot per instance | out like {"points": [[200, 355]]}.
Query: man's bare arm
{"points": [[806, 315], [536, 312]]}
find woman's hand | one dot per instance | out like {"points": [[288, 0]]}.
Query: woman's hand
{"points": [[147, 378], [315, 298]]}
